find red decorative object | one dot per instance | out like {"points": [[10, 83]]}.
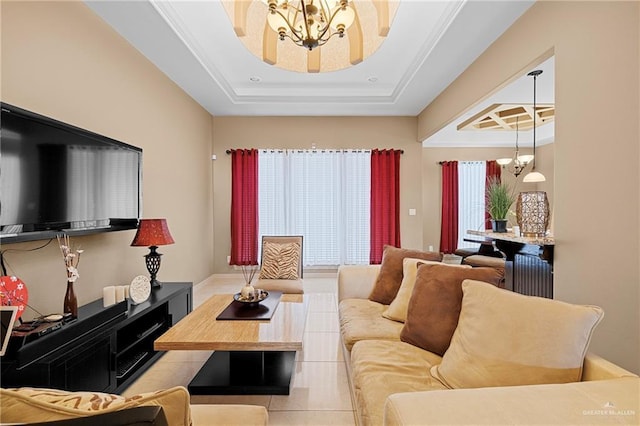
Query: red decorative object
{"points": [[385, 202], [449, 225], [152, 233], [13, 292], [494, 171], [244, 207]]}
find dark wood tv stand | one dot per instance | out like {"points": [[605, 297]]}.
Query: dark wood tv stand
{"points": [[104, 350]]}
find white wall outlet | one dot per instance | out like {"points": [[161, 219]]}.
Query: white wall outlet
{"points": [[228, 260], [214, 157], [412, 212], [430, 248]]}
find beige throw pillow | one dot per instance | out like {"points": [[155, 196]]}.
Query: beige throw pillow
{"points": [[280, 261], [507, 339], [397, 310], [390, 275]]}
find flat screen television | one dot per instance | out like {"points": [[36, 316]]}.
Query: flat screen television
{"points": [[55, 177]]}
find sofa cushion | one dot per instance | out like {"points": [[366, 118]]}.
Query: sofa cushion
{"points": [[397, 310], [584, 403], [361, 319], [229, 414], [285, 286], [31, 405], [382, 368], [280, 261], [390, 276], [508, 339], [434, 307], [481, 260]]}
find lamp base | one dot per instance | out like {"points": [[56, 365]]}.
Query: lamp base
{"points": [[153, 265]]}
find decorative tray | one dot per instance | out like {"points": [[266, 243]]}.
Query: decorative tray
{"points": [[261, 295]]}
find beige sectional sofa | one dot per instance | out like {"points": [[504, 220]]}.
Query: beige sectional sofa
{"points": [[395, 383]]}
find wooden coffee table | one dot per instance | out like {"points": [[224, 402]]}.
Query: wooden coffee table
{"points": [[252, 357]]}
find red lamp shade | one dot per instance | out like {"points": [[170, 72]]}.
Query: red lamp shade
{"points": [[152, 232]]}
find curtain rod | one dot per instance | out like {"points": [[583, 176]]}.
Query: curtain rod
{"points": [[228, 151], [462, 161]]}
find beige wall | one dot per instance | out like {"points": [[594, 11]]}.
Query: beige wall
{"points": [[432, 180], [325, 132], [60, 60], [596, 223]]}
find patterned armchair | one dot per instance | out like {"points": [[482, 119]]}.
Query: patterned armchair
{"points": [[281, 266]]}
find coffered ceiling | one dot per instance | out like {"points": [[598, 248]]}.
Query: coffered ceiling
{"points": [[430, 43]]}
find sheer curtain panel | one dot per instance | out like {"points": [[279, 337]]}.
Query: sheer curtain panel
{"points": [[321, 195], [471, 191]]}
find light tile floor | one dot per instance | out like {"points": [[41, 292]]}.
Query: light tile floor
{"points": [[320, 390]]}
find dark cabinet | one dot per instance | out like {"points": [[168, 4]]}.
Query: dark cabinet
{"points": [[88, 367], [104, 350]]}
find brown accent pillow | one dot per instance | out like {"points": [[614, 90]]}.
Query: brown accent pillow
{"points": [[434, 307], [390, 276]]}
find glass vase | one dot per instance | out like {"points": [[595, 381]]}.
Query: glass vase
{"points": [[70, 301]]}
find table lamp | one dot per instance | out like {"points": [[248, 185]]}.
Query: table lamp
{"points": [[152, 233]]}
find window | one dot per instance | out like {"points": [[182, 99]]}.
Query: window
{"points": [[320, 194]]}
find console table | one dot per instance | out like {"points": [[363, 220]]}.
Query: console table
{"points": [[103, 350], [529, 262]]}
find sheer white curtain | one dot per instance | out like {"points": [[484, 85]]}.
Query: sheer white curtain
{"points": [[471, 188], [322, 195]]}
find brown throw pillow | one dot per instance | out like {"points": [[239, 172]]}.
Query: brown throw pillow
{"points": [[434, 307], [390, 275]]}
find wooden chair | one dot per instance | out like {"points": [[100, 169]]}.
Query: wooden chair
{"points": [[281, 264]]}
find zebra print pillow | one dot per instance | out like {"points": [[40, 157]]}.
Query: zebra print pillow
{"points": [[280, 261]]}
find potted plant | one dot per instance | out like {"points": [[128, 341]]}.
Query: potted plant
{"points": [[498, 201]]}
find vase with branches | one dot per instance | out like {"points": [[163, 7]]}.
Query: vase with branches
{"points": [[71, 260]]}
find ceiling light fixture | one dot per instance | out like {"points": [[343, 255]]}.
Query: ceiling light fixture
{"points": [[534, 176], [309, 23], [358, 26], [519, 161]]}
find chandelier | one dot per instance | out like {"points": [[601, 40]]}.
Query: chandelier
{"points": [[309, 23], [332, 34], [518, 163]]}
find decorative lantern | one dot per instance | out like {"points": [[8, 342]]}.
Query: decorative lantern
{"points": [[532, 213]]}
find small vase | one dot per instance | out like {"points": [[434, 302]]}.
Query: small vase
{"points": [[248, 292], [70, 301]]}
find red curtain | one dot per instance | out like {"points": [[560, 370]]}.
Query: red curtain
{"points": [[493, 171], [449, 225], [244, 207], [385, 201]]}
